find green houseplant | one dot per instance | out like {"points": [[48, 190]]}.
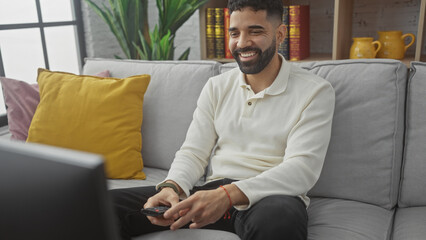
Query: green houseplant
{"points": [[128, 21]]}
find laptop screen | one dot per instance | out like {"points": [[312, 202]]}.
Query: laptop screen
{"points": [[52, 193]]}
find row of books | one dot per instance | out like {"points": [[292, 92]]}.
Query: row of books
{"points": [[295, 46], [217, 37]]}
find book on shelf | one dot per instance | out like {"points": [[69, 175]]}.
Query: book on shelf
{"points": [[284, 46], [226, 17], [210, 32], [299, 32], [219, 33], [216, 40]]}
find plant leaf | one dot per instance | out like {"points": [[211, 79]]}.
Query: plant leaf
{"points": [[142, 55], [118, 32], [145, 47], [184, 55]]}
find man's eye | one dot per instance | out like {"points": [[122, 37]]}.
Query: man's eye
{"points": [[256, 32], [233, 34]]}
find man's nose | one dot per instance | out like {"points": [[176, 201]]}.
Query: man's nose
{"points": [[244, 41]]}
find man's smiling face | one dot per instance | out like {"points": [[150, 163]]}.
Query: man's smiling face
{"points": [[252, 40]]}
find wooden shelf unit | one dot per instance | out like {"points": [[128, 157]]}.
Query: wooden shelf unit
{"points": [[342, 31]]}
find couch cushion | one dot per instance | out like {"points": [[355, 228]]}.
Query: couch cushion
{"points": [[5, 133], [365, 152], [168, 104], [343, 219], [204, 234], [153, 177], [410, 223], [328, 219], [413, 184]]}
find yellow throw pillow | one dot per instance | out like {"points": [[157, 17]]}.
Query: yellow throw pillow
{"points": [[93, 114]]}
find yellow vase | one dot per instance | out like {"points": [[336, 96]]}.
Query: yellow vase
{"points": [[393, 44], [364, 47]]}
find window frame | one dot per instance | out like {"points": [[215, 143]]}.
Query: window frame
{"points": [[77, 22]]}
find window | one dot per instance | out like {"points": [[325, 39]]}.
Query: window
{"points": [[39, 33]]}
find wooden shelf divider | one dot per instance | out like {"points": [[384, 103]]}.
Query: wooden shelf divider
{"points": [[420, 32], [342, 31]]}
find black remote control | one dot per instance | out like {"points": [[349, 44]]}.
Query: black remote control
{"points": [[154, 211]]}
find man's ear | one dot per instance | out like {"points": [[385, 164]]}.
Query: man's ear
{"points": [[281, 33]]}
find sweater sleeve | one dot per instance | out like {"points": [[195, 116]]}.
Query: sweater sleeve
{"points": [[304, 156], [192, 158]]}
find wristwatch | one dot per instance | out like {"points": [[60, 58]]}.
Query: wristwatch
{"points": [[170, 185]]}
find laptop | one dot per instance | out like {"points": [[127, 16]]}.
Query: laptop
{"points": [[51, 193]]}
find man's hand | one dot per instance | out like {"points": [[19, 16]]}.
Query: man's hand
{"points": [[201, 208], [166, 197]]}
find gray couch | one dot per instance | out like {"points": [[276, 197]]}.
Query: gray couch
{"points": [[373, 184]]}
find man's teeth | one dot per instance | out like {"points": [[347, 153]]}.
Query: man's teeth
{"points": [[248, 54]]}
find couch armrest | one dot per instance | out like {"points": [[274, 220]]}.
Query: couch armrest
{"points": [[3, 120]]}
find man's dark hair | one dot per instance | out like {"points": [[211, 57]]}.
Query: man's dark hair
{"points": [[274, 8]]}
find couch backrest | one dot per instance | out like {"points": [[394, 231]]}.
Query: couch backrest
{"points": [[228, 66], [169, 102], [413, 179], [365, 152]]}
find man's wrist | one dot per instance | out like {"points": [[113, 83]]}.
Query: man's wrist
{"points": [[236, 196], [177, 187], [163, 185], [227, 194]]}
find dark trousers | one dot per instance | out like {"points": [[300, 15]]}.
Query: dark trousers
{"points": [[273, 217]]}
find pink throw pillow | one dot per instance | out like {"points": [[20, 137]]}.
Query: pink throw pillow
{"points": [[21, 100]]}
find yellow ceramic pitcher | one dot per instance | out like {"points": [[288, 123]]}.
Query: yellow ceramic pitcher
{"points": [[393, 44], [364, 47]]}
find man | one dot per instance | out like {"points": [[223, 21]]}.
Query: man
{"points": [[269, 123]]}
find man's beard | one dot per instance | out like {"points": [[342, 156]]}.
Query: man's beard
{"points": [[254, 67]]}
